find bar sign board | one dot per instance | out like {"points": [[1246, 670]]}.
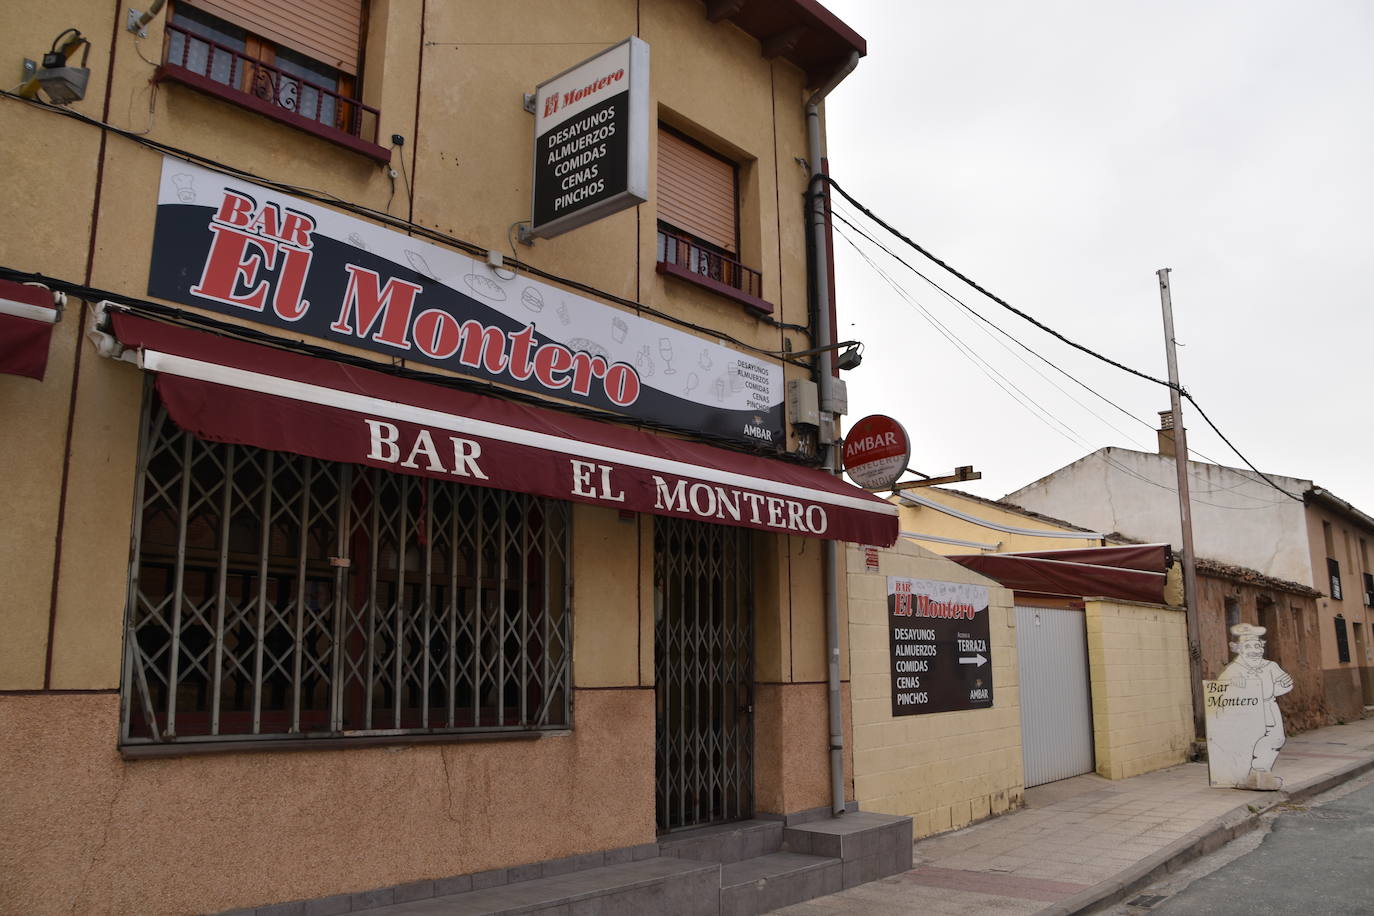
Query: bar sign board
{"points": [[940, 652], [591, 140]]}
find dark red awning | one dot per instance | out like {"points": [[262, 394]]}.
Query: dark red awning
{"points": [[27, 316], [1132, 573], [228, 390]]}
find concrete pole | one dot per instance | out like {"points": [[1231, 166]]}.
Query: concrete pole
{"points": [[1185, 515]]}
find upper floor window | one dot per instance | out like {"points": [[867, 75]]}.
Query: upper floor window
{"points": [[698, 220], [298, 63], [1333, 572]]}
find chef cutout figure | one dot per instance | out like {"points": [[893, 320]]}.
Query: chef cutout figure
{"points": [[1248, 670]]}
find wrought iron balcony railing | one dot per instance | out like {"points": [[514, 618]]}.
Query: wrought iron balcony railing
{"points": [[235, 76], [685, 257]]}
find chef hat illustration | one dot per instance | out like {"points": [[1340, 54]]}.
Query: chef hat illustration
{"points": [[1243, 631]]}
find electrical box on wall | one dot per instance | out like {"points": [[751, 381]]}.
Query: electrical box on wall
{"points": [[802, 402], [839, 398]]}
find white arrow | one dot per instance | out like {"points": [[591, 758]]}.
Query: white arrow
{"points": [[976, 660]]}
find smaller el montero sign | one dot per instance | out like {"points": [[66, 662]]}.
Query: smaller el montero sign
{"points": [[591, 140], [939, 636]]}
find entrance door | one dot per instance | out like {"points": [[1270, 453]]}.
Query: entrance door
{"points": [[1056, 706], [704, 673]]}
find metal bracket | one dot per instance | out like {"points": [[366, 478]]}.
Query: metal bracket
{"points": [[131, 23], [528, 101], [524, 236]]}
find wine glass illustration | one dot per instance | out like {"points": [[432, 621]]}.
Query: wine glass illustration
{"points": [[665, 350]]}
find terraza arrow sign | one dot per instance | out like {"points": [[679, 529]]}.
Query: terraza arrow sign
{"points": [[591, 140], [941, 655]]}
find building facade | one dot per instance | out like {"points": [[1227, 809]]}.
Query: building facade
{"points": [[1310, 537], [354, 544]]}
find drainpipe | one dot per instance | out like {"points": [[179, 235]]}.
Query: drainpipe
{"points": [[825, 336]]}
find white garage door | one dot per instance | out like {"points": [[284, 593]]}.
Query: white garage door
{"points": [[1056, 705]]}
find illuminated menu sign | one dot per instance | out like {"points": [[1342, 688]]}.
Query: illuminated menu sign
{"points": [[591, 140]]}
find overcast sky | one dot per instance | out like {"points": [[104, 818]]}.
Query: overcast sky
{"points": [[1060, 154]]}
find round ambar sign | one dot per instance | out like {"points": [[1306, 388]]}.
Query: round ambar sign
{"points": [[876, 452]]}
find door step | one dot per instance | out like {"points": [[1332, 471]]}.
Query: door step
{"points": [[724, 843], [776, 880], [738, 869], [661, 885]]}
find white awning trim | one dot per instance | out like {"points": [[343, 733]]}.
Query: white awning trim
{"points": [[917, 536], [26, 310], [919, 500], [233, 377]]}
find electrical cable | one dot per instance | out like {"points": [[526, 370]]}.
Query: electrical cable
{"points": [[1012, 390], [830, 182], [976, 314]]}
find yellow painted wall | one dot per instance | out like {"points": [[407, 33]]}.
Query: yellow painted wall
{"points": [[1142, 705], [925, 520], [943, 769]]}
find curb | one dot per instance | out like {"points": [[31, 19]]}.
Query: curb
{"points": [[1206, 839]]}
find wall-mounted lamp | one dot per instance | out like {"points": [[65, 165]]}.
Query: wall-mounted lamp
{"points": [[849, 359], [60, 83]]}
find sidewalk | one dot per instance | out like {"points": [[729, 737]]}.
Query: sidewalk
{"points": [[1089, 841]]}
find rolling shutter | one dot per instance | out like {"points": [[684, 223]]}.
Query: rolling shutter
{"points": [[324, 30], [696, 191]]}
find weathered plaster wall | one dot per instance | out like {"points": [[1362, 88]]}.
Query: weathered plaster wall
{"points": [[1142, 704], [943, 769], [1296, 645], [1105, 491], [88, 832]]}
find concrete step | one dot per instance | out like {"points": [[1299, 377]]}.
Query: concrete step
{"points": [[724, 843], [779, 879], [675, 886], [871, 846]]}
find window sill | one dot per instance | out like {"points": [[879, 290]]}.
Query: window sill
{"points": [[752, 303], [153, 750], [201, 83]]}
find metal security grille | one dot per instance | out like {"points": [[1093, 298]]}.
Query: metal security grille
{"points": [[703, 666], [279, 596], [1056, 705]]}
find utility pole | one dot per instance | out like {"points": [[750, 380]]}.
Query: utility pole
{"points": [[1185, 515]]}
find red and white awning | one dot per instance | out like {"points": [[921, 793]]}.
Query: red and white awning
{"points": [[227, 390], [27, 316]]}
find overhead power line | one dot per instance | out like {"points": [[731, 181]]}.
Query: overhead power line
{"points": [[828, 180], [1245, 479]]}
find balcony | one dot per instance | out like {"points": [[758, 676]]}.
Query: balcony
{"points": [[686, 258], [236, 77]]}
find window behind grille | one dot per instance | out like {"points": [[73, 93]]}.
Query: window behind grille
{"points": [[277, 595]]}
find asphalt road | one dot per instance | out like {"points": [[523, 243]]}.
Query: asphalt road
{"points": [[1313, 861]]}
